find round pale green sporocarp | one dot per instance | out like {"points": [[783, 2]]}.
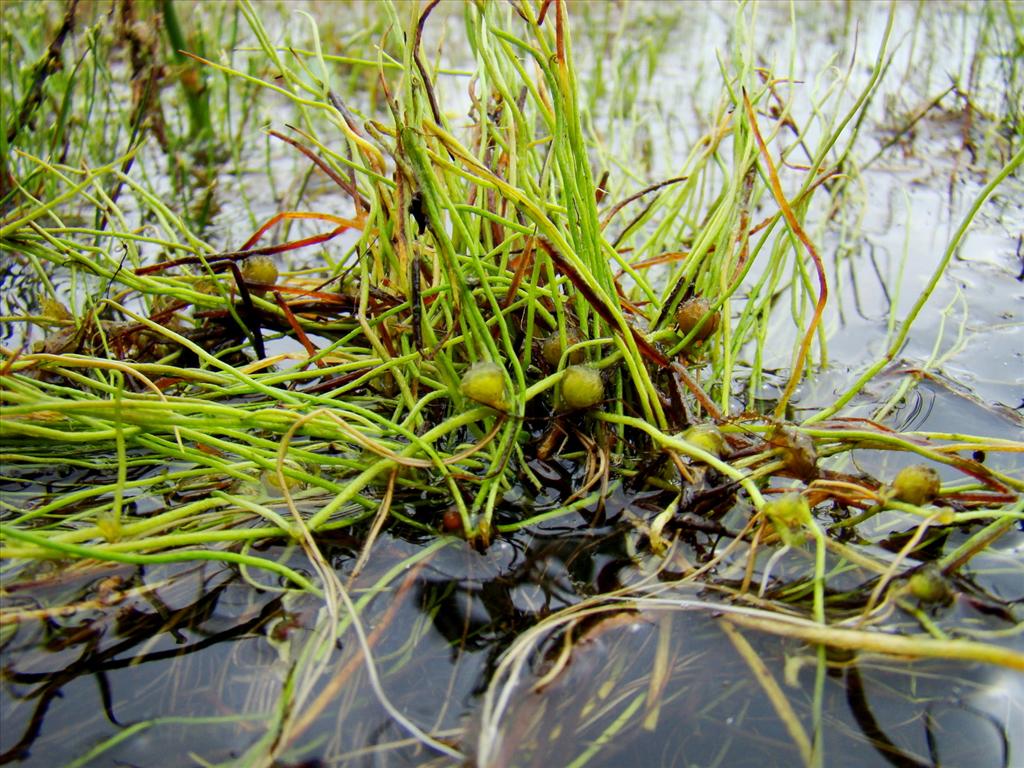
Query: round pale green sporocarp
{"points": [[929, 586], [551, 348], [707, 438], [789, 515], [484, 383], [691, 312], [916, 484], [260, 269], [582, 387], [790, 509]]}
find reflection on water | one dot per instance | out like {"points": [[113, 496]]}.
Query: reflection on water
{"points": [[135, 648], [190, 664], [704, 706]]}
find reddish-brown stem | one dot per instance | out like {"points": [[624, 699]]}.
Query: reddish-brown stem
{"points": [[794, 225], [299, 333], [635, 196], [525, 260], [345, 184], [712, 410]]}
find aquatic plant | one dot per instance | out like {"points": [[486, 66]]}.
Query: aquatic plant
{"points": [[465, 297]]}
